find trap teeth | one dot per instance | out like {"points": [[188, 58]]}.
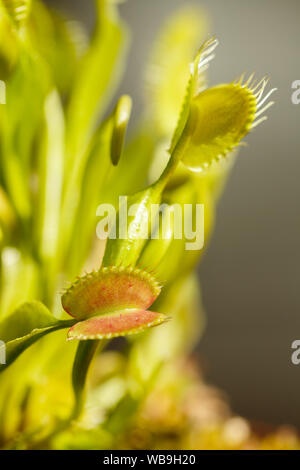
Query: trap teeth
{"points": [[120, 323], [233, 107], [110, 289]]}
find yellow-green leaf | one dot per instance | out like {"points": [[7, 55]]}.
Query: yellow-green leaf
{"points": [[196, 84], [121, 119], [25, 326], [167, 72]]}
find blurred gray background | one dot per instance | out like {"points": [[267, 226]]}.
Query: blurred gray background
{"points": [[250, 274]]}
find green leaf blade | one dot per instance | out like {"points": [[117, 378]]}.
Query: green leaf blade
{"points": [[25, 326]]}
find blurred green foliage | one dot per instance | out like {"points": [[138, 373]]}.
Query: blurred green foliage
{"points": [[61, 155]]}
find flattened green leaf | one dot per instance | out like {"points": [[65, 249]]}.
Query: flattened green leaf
{"points": [[9, 44], [59, 43], [24, 327], [214, 121], [24, 319], [96, 78], [19, 279], [51, 175], [18, 9], [18, 135], [7, 214], [121, 119], [98, 74], [119, 323]]}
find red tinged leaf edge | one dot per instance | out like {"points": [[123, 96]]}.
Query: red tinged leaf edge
{"points": [[120, 323], [112, 302], [110, 289]]}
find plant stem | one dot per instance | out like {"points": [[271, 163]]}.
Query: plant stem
{"points": [[85, 353], [173, 162]]}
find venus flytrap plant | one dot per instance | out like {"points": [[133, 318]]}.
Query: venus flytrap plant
{"points": [[213, 121], [58, 165], [198, 141], [223, 138], [119, 251], [98, 73]]}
